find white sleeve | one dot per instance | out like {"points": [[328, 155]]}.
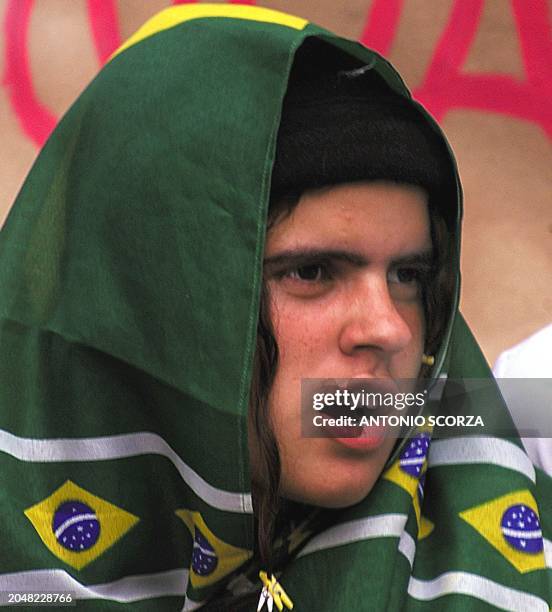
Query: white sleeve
{"points": [[532, 358]]}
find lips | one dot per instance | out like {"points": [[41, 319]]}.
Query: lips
{"points": [[358, 392], [369, 439]]}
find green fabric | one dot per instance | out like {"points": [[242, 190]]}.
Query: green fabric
{"points": [[130, 272]]}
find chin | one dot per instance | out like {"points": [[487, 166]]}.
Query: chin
{"points": [[336, 494]]}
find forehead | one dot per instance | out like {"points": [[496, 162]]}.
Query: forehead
{"points": [[375, 219]]}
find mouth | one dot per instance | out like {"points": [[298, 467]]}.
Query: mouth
{"points": [[353, 417]]}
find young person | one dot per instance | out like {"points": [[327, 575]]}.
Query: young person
{"points": [[241, 200]]}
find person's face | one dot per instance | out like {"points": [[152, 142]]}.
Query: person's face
{"points": [[344, 272]]}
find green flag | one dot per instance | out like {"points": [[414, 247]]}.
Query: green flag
{"points": [[130, 279]]}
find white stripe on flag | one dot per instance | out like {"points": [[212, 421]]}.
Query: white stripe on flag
{"points": [[464, 583], [457, 451], [127, 589], [413, 461], [526, 535], [382, 526], [548, 553], [407, 546], [190, 605], [119, 447], [72, 521]]}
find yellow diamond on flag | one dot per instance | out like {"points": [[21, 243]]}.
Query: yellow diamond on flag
{"points": [[402, 479], [511, 524], [77, 526], [212, 559], [409, 472], [408, 483], [426, 528]]}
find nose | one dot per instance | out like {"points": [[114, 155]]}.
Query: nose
{"points": [[372, 320]]}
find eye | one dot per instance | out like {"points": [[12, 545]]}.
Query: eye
{"points": [[311, 273], [405, 275], [310, 279], [407, 283]]}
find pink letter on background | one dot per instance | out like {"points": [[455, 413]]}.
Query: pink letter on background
{"points": [[381, 25], [35, 119], [104, 23], [444, 86]]}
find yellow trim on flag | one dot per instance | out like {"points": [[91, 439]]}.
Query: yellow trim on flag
{"points": [[175, 15]]}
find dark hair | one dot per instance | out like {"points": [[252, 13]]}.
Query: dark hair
{"points": [[265, 487]]}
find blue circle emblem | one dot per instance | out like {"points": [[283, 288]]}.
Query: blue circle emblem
{"points": [[413, 456], [521, 529], [204, 558], [76, 526]]}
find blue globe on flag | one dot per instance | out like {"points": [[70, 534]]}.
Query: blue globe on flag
{"points": [[521, 529], [76, 526], [204, 558], [413, 456]]}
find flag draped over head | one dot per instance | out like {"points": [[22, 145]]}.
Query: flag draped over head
{"points": [[130, 276]]}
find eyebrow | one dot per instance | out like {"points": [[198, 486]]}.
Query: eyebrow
{"points": [[301, 257], [421, 258]]}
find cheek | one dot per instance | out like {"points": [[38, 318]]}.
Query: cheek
{"points": [[408, 363], [300, 340], [419, 328], [303, 331], [414, 316]]}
